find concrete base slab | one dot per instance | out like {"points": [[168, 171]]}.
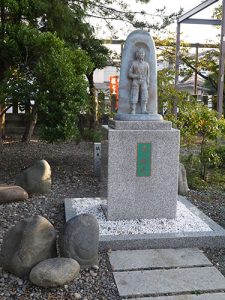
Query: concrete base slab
{"points": [[215, 237], [211, 296], [159, 282], [157, 258]]}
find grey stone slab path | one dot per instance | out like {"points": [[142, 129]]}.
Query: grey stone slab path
{"points": [[155, 282], [166, 274], [157, 258], [213, 296]]}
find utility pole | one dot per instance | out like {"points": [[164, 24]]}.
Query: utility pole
{"points": [[221, 66], [196, 72], [177, 65], [186, 19]]}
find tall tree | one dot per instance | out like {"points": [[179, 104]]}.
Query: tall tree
{"points": [[30, 38], [26, 25], [120, 10]]}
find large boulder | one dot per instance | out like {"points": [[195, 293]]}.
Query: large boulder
{"points": [[54, 272], [80, 240], [182, 181], [27, 243], [12, 193], [36, 179]]}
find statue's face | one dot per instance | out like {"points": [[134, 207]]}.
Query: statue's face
{"points": [[140, 54]]}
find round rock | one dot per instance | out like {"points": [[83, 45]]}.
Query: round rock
{"points": [[12, 193], [81, 239], [36, 179], [54, 272], [26, 244]]}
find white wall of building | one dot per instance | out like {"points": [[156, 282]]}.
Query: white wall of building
{"points": [[103, 75]]}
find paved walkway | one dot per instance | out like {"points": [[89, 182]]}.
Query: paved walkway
{"points": [[166, 274]]}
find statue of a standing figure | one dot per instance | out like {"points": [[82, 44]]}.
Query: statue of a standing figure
{"points": [[139, 73]]}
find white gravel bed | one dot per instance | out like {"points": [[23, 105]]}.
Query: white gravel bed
{"points": [[185, 221]]}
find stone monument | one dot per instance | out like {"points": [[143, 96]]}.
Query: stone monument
{"points": [[142, 149], [138, 79]]}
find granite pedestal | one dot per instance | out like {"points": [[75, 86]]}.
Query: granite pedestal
{"points": [[131, 194]]}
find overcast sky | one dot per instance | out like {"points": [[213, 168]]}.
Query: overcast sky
{"points": [[190, 33]]}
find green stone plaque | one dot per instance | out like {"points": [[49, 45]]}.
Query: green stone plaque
{"points": [[144, 159]]}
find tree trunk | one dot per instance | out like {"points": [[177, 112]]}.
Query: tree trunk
{"points": [[203, 163], [2, 15], [30, 126], [2, 122], [92, 118], [4, 65], [204, 173]]}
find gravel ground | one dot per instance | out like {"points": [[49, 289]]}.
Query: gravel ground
{"points": [[72, 176], [212, 203]]}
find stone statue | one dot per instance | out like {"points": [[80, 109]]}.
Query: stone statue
{"points": [[138, 79], [139, 73]]}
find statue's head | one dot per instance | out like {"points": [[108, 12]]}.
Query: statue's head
{"points": [[140, 53]]}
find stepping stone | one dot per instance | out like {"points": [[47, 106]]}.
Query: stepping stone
{"points": [[216, 296], [156, 282], [157, 258], [152, 274]]}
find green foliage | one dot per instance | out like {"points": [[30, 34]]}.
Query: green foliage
{"points": [[207, 61], [214, 179], [92, 135], [191, 162], [41, 60], [196, 119], [192, 166], [119, 10], [220, 150], [217, 14], [54, 80], [65, 83], [19, 85], [97, 51], [41, 57], [195, 182], [209, 158], [167, 93], [217, 178]]}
